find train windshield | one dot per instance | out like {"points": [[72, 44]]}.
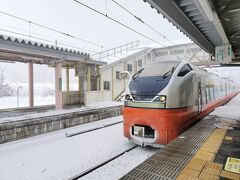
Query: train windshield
{"points": [[149, 81]]}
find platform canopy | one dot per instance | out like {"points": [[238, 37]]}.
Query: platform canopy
{"points": [[13, 49], [209, 23]]}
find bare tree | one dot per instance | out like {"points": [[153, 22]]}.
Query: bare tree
{"points": [[5, 89]]}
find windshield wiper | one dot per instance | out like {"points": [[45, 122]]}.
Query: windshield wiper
{"points": [[137, 74], [168, 73]]}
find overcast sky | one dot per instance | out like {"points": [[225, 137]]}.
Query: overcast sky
{"points": [[70, 17]]}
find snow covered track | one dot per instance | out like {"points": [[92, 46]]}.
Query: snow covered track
{"points": [[92, 129], [84, 173], [59, 157]]}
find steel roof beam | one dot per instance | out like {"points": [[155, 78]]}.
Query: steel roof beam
{"points": [[197, 18], [201, 22], [189, 8], [186, 2], [194, 13], [170, 10]]}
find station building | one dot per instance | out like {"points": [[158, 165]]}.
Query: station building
{"points": [[113, 80]]}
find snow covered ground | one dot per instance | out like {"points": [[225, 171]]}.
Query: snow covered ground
{"points": [[231, 110], [11, 102], [53, 156], [122, 165]]}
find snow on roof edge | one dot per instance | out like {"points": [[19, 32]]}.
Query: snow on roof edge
{"points": [[40, 44]]}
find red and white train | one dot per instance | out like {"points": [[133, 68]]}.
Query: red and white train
{"points": [[165, 98]]}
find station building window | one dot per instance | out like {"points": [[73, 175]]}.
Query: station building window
{"points": [[118, 75], [129, 67], [192, 50], [140, 63], [149, 56], [177, 51], [161, 53], [106, 85]]}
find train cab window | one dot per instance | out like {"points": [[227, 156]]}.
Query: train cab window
{"points": [[185, 69]]}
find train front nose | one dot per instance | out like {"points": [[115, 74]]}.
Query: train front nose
{"points": [[142, 131], [141, 134], [140, 126]]}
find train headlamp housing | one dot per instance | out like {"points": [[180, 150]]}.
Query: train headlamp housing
{"points": [[161, 98]]}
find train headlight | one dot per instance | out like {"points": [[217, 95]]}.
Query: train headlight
{"points": [[128, 97], [162, 98]]}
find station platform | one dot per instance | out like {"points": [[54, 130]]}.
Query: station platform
{"points": [[23, 124], [210, 149], [12, 112], [21, 111]]}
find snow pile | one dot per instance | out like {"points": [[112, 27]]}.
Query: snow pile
{"points": [[231, 110]]}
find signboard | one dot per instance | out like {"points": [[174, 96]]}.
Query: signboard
{"points": [[80, 71], [223, 54], [232, 165]]}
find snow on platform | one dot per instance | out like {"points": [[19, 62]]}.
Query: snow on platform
{"points": [[230, 110], [60, 112]]}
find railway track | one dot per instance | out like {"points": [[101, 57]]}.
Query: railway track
{"points": [[92, 129], [93, 168]]}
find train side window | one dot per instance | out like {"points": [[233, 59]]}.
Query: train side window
{"points": [[185, 69]]}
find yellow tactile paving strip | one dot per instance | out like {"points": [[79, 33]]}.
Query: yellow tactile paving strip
{"points": [[201, 165]]}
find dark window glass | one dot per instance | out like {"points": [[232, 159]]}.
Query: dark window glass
{"points": [[106, 85], [177, 51], [140, 63], [129, 67], [185, 69], [118, 76]]}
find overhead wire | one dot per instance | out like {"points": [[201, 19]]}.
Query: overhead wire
{"points": [[51, 29], [142, 21], [42, 36], [45, 40], [118, 22]]}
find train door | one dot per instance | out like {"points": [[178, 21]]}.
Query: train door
{"points": [[199, 93]]}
